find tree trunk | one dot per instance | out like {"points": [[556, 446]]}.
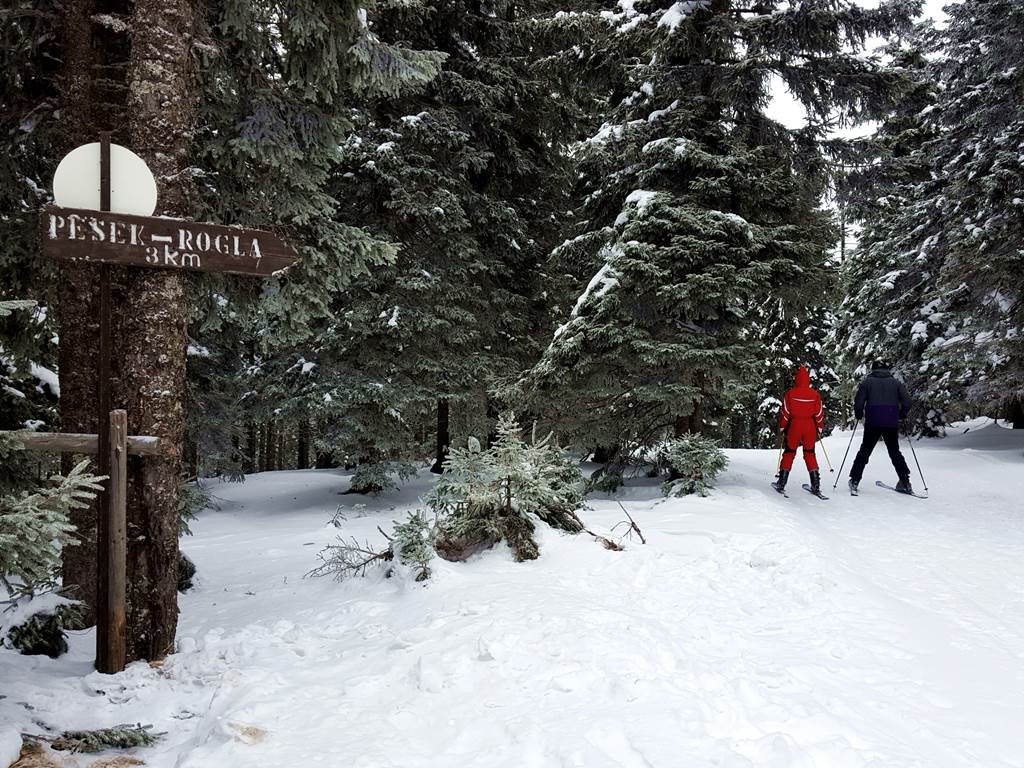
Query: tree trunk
{"points": [[152, 343], [251, 447], [264, 453], [236, 448], [443, 437], [325, 460], [271, 446], [78, 289], [302, 458], [191, 449], [1015, 414]]}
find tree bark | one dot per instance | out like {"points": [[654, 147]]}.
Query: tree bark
{"points": [[1015, 414], [78, 289], [191, 449], [302, 457], [271, 446], [251, 448], [443, 436], [152, 343]]}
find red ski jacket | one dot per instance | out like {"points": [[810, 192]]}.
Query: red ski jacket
{"points": [[802, 403]]}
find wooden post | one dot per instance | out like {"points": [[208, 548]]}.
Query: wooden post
{"points": [[115, 653], [103, 430]]}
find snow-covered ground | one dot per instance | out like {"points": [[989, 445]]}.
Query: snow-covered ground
{"points": [[750, 630]]}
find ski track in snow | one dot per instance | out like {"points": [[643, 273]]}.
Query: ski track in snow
{"points": [[751, 630]]}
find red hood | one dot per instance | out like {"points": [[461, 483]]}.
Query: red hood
{"points": [[803, 378]]}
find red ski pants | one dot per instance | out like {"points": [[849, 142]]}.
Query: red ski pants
{"points": [[800, 432]]}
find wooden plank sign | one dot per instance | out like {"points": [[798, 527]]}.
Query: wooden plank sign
{"points": [[151, 241]]}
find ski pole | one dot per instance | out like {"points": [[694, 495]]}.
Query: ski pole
{"points": [[923, 481], [845, 455], [782, 448], [827, 460]]}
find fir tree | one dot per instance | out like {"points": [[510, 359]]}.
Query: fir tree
{"points": [[934, 285], [976, 361], [890, 307], [462, 177], [279, 89], [698, 208]]}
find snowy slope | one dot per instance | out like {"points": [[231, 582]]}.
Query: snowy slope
{"points": [[750, 630]]}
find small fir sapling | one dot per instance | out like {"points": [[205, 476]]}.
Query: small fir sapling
{"points": [[412, 543], [692, 463], [485, 496]]}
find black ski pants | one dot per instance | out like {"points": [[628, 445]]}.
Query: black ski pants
{"points": [[891, 436]]}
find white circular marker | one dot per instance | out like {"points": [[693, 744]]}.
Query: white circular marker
{"points": [[76, 183]]}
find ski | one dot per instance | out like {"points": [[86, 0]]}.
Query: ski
{"points": [[780, 490], [819, 494], [880, 484]]}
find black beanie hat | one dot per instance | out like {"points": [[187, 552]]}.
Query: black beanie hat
{"points": [[879, 365]]}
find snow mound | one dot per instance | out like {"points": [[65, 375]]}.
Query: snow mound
{"points": [[10, 746]]}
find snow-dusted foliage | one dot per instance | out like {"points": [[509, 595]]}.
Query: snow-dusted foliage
{"points": [[692, 463], [934, 286], [412, 542], [34, 526], [380, 476], [409, 546], [696, 210], [485, 496], [34, 624]]}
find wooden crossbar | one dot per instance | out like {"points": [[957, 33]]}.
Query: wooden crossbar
{"points": [[74, 442]]}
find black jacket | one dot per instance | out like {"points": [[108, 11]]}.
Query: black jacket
{"points": [[881, 400]]}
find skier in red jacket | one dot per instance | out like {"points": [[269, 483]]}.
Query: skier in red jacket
{"points": [[802, 417]]}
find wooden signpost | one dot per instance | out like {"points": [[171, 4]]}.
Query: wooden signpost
{"points": [[151, 241], [104, 237]]}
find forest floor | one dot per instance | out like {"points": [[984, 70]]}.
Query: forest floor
{"points": [[750, 630]]}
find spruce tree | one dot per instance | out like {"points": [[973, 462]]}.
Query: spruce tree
{"points": [[890, 309], [462, 176], [976, 361], [698, 208], [934, 286], [279, 96]]}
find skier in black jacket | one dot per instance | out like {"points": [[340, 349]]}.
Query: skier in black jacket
{"points": [[882, 401]]}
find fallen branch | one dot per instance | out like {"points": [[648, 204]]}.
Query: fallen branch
{"points": [[633, 527], [605, 542], [345, 560], [118, 737]]}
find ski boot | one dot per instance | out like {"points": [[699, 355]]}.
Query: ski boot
{"points": [[853, 487], [815, 481], [903, 486], [780, 481]]}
